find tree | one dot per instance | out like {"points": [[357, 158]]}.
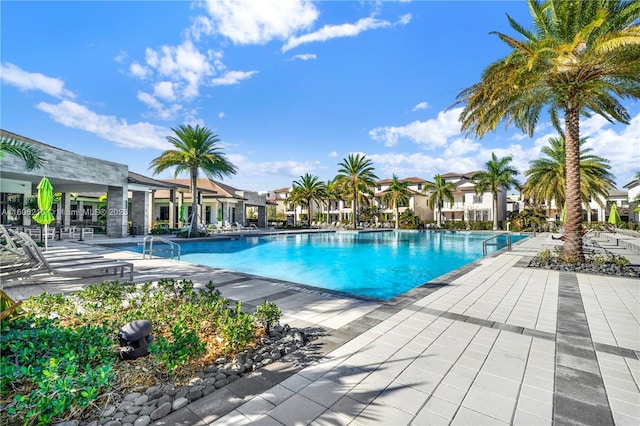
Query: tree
{"points": [[21, 149], [441, 191], [498, 176], [309, 188], [356, 177], [195, 149], [546, 177], [397, 193], [294, 198], [580, 57], [331, 193]]}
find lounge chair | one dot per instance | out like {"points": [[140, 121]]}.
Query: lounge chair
{"points": [[74, 267]]}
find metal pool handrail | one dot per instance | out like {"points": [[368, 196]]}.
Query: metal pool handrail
{"points": [[173, 249], [486, 242]]}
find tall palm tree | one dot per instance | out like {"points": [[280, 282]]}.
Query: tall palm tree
{"points": [[310, 189], [580, 57], [546, 176], [294, 198], [397, 193], [195, 149], [331, 193], [356, 177], [498, 176], [441, 191], [21, 149]]}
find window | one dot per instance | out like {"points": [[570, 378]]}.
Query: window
{"points": [[477, 198], [164, 212], [87, 212], [419, 187]]}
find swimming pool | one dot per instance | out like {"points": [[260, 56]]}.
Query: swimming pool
{"points": [[380, 265]]}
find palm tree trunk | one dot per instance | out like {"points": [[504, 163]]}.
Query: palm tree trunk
{"points": [[439, 218], [194, 202], [573, 225], [495, 211], [397, 216], [355, 209]]}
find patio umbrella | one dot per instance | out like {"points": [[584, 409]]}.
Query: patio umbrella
{"points": [[45, 201], [614, 216], [181, 219]]}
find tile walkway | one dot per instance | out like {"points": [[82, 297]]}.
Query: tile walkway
{"points": [[494, 342]]}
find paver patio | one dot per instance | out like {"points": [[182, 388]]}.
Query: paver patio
{"points": [[492, 343]]}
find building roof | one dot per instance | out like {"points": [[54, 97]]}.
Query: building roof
{"points": [[210, 188], [632, 184], [144, 180], [409, 179], [11, 135]]}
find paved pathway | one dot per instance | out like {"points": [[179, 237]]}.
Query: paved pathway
{"points": [[492, 343]]}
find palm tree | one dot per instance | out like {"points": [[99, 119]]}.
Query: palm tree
{"points": [[309, 188], [331, 193], [498, 176], [441, 191], [21, 149], [581, 57], [397, 193], [196, 148], [356, 177], [546, 176]]}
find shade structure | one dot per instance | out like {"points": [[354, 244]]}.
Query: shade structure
{"points": [[181, 218], [45, 201], [614, 216]]}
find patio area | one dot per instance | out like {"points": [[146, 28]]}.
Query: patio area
{"points": [[494, 342]]}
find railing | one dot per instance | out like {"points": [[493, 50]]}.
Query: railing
{"points": [[172, 248], [499, 244]]}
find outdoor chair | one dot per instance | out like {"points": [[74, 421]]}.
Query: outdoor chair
{"points": [[69, 232], [74, 267]]}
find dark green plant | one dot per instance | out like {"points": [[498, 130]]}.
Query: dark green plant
{"points": [[183, 346], [236, 327], [267, 314]]}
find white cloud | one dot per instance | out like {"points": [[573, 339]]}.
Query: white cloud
{"points": [[460, 147], [221, 115], [121, 56], [421, 105], [24, 80], [76, 116], [269, 175], [256, 22], [161, 111], [333, 154], [164, 90], [405, 19], [305, 56], [334, 31], [429, 134], [232, 77], [139, 71]]}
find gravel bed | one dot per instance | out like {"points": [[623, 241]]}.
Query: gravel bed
{"points": [[142, 408]]}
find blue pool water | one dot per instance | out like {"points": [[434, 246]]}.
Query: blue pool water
{"points": [[380, 265]]}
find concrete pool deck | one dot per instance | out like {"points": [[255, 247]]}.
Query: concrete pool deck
{"points": [[494, 342]]}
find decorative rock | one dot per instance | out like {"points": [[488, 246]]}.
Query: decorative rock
{"points": [[169, 389], [146, 410], [124, 405], [113, 423], [221, 360], [134, 409], [141, 400], [209, 381], [221, 383], [179, 403], [108, 411], [182, 392], [161, 411], [155, 395], [195, 381], [211, 369], [92, 423], [152, 389], [132, 396], [208, 389], [233, 378], [142, 421], [220, 376], [129, 419], [69, 423], [195, 393], [163, 399]]}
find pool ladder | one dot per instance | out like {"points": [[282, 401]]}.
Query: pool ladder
{"points": [[170, 247], [496, 243]]}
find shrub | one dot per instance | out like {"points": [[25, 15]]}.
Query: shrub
{"points": [[267, 314]]}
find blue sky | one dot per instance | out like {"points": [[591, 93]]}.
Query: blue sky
{"points": [[290, 87]]}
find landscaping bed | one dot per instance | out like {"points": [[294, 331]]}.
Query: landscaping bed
{"points": [[62, 358], [595, 263]]}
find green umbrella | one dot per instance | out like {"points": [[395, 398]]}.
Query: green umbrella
{"points": [[614, 216], [45, 201], [181, 219]]}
